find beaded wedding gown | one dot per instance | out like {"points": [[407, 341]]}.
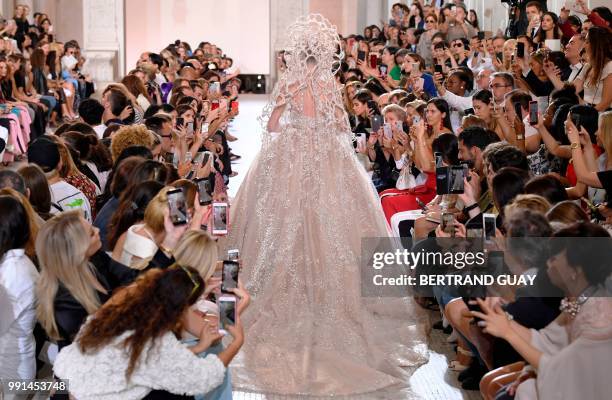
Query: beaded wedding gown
{"points": [[298, 220]]}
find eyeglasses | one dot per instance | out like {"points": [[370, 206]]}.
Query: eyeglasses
{"points": [[498, 85], [430, 21]]}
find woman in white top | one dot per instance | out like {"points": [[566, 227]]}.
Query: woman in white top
{"points": [[138, 224], [18, 278], [129, 347], [596, 77]]}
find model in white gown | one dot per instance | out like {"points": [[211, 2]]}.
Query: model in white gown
{"points": [[298, 219]]}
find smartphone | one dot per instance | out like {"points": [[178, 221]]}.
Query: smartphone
{"points": [[439, 159], [488, 224], [416, 119], [377, 122], [220, 218], [438, 68], [180, 121], [360, 139], [373, 60], [446, 223], [441, 177], [214, 105], [234, 106], [383, 70], [576, 120], [229, 277], [387, 131], [227, 312], [361, 55], [415, 69], [233, 254], [177, 206], [197, 160], [455, 179], [215, 87], [204, 192], [399, 125], [472, 307], [520, 49], [533, 112], [481, 35], [466, 171], [206, 157]]}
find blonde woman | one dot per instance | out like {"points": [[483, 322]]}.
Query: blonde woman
{"points": [[199, 251], [506, 61], [139, 243], [76, 277]]}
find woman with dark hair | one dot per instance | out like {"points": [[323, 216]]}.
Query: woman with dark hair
{"points": [[362, 112], [115, 344], [547, 186], [549, 28], [482, 102], [596, 77], [131, 210], [18, 278], [39, 193], [82, 145], [438, 116], [473, 19], [416, 19]]}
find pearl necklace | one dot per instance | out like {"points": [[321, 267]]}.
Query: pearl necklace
{"points": [[572, 307]]}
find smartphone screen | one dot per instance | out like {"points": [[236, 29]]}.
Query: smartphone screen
{"points": [[204, 192], [214, 105], [234, 106], [227, 311], [233, 254], [456, 179], [229, 278], [415, 69], [446, 223], [399, 126], [376, 123], [442, 186], [416, 119], [361, 55], [533, 112], [180, 121], [177, 206], [488, 223], [383, 70], [220, 218], [438, 68], [576, 120], [520, 49], [387, 131], [373, 60], [481, 35]]}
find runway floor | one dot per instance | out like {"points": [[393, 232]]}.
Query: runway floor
{"points": [[433, 381]]}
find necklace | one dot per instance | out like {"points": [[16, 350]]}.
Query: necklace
{"points": [[572, 307]]}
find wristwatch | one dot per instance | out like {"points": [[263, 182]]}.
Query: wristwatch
{"points": [[520, 137], [575, 145]]}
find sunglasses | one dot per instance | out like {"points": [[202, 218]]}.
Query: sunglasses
{"points": [[196, 284], [430, 21], [457, 44]]}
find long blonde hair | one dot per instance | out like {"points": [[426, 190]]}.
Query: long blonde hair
{"points": [[605, 132], [61, 247], [199, 251]]}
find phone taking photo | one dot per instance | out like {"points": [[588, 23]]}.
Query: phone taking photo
{"points": [[377, 122], [177, 206], [220, 218], [227, 312], [204, 191], [489, 226], [180, 121], [229, 277], [456, 175], [520, 49], [387, 131], [446, 223], [533, 112]]}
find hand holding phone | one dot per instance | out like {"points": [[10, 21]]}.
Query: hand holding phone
{"points": [[229, 275]]}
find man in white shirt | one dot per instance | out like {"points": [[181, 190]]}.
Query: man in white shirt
{"points": [[572, 54], [91, 111], [64, 197]]}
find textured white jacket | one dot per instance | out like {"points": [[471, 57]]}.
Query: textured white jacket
{"points": [[167, 365]]}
